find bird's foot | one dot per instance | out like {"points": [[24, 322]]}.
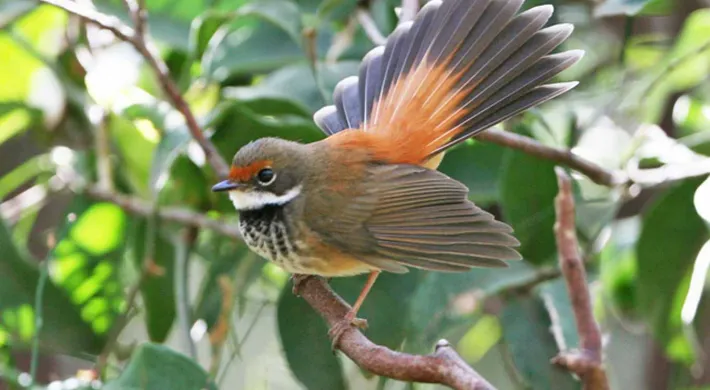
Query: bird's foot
{"points": [[336, 332], [297, 280]]}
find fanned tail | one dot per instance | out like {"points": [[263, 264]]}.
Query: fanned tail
{"points": [[461, 67]]}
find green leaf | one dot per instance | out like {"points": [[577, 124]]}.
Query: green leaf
{"points": [[634, 7], [185, 186], [27, 171], [478, 166], [157, 367], [432, 309], [242, 51], [671, 237], [230, 137], [134, 144], [281, 13], [555, 296], [158, 289], [63, 329], [169, 21], [16, 117], [526, 331], [304, 336], [296, 83], [528, 188], [618, 266], [684, 67]]}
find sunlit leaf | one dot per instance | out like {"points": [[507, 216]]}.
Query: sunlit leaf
{"points": [[443, 299], [135, 144], [22, 174], [87, 259], [63, 328], [671, 237]]}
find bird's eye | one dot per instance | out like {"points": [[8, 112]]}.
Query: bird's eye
{"points": [[266, 176]]}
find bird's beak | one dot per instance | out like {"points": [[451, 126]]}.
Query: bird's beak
{"points": [[226, 185]]}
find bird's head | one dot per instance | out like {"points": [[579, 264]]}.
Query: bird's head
{"points": [[269, 171]]}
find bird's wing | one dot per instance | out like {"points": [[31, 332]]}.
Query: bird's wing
{"points": [[461, 67], [417, 217]]}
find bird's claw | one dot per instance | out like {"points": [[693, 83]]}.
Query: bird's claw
{"points": [[337, 331], [297, 280]]}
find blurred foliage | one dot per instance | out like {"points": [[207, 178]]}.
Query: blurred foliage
{"points": [[244, 68]]}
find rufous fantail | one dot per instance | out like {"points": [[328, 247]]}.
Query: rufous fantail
{"points": [[368, 197]]}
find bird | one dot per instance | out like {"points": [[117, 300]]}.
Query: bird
{"points": [[368, 197]]}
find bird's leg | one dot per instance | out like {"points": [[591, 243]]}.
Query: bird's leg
{"points": [[350, 318], [297, 279]]}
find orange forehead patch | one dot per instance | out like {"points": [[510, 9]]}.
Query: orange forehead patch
{"points": [[247, 172]]}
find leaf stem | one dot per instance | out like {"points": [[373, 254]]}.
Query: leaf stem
{"points": [[39, 297], [182, 294]]}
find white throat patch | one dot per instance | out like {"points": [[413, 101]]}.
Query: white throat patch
{"points": [[254, 200]]}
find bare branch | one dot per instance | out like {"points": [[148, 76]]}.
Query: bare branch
{"points": [[528, 145], [138, 13], [672, 66], [444, 366], [127, 34], [371, 29], [587, 362], [182, 216]]}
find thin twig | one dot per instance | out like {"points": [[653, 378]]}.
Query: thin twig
{"points": [[673, 65], [370, 27], [145, 48], [103, 150], [120, 323], [138, 13], [444, 366], [528, 145], [587, 362], [182, 216], [39, 298], [182, 283]]}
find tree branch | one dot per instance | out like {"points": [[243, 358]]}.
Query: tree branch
{"points": [[138, 40], [444, 366], [180, 215], [528, 145], [587, 362], [369, 26]]}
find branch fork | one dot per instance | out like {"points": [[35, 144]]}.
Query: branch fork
{"points": [[586, 362]]}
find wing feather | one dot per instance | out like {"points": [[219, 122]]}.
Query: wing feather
{"points": [[461, 67]]}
